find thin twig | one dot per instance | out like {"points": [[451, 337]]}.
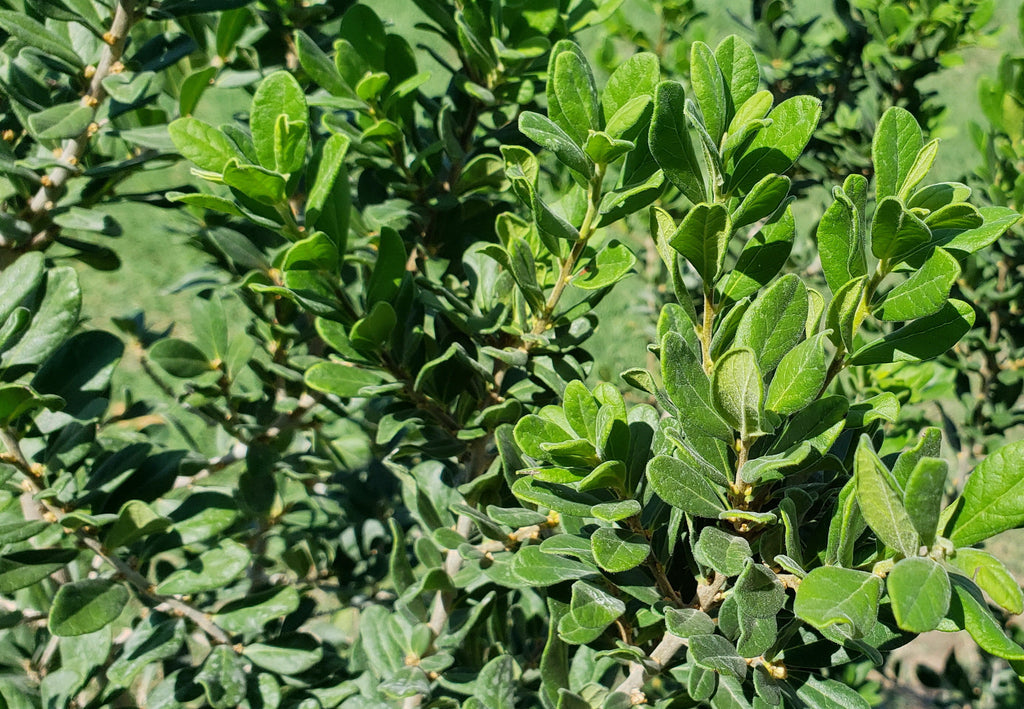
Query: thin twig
{"points": [[638, 671]]}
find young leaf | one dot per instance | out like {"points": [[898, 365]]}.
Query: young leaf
{"points": [[776, 147], [35, 34], [689, 389], [714, 652], [840, 241], [280, 95], [923, 496], [841, 598], [636, 77], [894, 150], [547, 134], [763, 200], [921, 339], [762, 258], [775, 322], [993, 498], [881, 503], [329, 202], [991, 575], [799, 377], [703, 238], [671, 144], [684, 486], [709, 89], [919, 589], [738, 65], [737, 392], [896, 234], [575, 108], [203, 144], [617, 550], [925, 292]]}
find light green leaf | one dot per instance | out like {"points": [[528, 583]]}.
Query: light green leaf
{"points": [[881, 503], [35, 34], [993, 498], [841, 235], [262, 185], [919, 170], [763, 199], [925, 292], [709, 89], [618, 550], [203, 144], [319, 66], [919, 590], [329, 200], [799, 377], [738, 65], [85, 606], [844, 599], [223, 678], [923, 496], [671, 144], [921, 339], [689, 389], [340, 379], [703, 238], [684, 622], [65, 120], [634, 78], [992, 577], [279, 94], [287, 655], [547, 134], [830, 694], [684, 486], [776, 147], [737, 392], [537, 568], [575, 108], [613, 263], [25, 568], [758, 592], [968, 611], [179, 358], [211, 570], [251, 613], [716, 653], [894, 150], [775, 322], [997, 221], [763, 256], [726, 553]]}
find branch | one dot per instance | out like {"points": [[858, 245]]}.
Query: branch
{"points": [[638, 671], [53, 183]]}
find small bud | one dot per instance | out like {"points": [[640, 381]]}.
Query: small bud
{"points": [[93, 129], [8, 135], [46, 181], [109, 37], [116, 68], [90, 101], [89, 72]]}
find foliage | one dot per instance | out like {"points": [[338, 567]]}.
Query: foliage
{"points": [[374, 472]]}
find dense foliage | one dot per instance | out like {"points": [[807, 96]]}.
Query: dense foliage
{"points": [[374, 467]]}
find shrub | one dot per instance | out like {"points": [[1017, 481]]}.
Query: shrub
{"points": [[374, 472]]}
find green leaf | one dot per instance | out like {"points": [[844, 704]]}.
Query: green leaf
{"points": [[993, 498], [799, 377], [262, 185], [738, 65], [634, 78], [203, 144], [716, 653], [894, 150], [86, 606], [223, 678], [703, 238], [35, 34], [211, 570], [618, 550], [340, 379], [841, 598], [922, 497], [372, 331], [709, 89], [153, 639], [830, 694], [689, 389], [54, 320], [881, 503], [249, 614], [547, 134], [591, 611], [684, 486], [841, 234], [928, 445], [24, 568], [726, 553], [763, 199], [684, 622], [603, 149], [495, 687], [776, 147], [319, 66], [968, 611], [922, 339], [671, 144], [621, 203], [925, 292], [329, 201], [572, 96], [65, 120], [737, 392], [775, 322], [18, 280], [762, 258], [179, 358], [919, 170], [613, 263], [997, 221], [537, 568], [135, 520], [897, 233], [920, 592], [287, 655], [759, 593], [279, 94], [389, 269], [991, 575]]}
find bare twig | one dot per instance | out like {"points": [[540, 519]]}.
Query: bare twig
{"points": [[638, 671]]}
